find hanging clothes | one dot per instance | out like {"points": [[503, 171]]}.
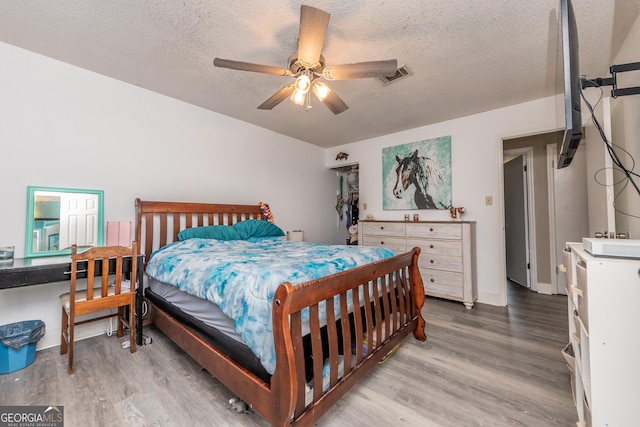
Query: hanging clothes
{"points": [[340, 202], [355, 212]]}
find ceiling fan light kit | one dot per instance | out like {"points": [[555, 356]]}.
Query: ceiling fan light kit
{"points": [[321, 90], [308, 66], [298, 97], [303, 84]]}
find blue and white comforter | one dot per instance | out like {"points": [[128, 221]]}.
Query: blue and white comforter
{"points": [[241, 277]]}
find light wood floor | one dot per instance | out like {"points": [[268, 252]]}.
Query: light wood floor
{"points": [[489, 366]]}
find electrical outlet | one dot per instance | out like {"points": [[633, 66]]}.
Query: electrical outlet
{"points": [[364, 206], [488, 200]]}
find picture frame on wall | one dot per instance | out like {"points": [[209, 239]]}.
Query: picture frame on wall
{"points": [[417, 175]]}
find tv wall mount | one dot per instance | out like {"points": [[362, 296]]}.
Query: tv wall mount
{"points": [[612, 81]]}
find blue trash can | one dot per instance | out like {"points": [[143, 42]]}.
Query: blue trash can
{"points": [[18, 344]]}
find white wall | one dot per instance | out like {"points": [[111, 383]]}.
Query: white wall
{"points": [[626, 133], [600, 200], [66, 127], [476, 145]]}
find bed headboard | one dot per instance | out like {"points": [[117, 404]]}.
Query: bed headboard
{"points": [[158, 223]]}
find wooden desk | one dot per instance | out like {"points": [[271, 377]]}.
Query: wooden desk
{"points": [[37, 271]]}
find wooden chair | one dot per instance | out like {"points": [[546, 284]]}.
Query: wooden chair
{"points": [[107, 294]]}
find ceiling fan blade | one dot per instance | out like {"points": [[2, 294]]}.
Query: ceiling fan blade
{"points": [[248, 66], [313, 29], [335, 103], [277, 98], [361, 70]]}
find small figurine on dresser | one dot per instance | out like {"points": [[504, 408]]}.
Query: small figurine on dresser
{"points": [[456, 213]]}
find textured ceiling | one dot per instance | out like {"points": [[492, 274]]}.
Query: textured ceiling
{"points": [[466, 56]]}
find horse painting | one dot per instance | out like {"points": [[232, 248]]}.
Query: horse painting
{"points": [[422, 172]]}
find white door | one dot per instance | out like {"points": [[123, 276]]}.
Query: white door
{"points": [[78, 219], [516, 220]]}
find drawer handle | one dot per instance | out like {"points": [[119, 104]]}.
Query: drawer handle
{"points": [[431, 261], [430, 246], [382, 243], [381, 228], [432, 280], [431, 229]]}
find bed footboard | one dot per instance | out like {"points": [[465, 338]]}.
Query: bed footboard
{"points": [[355, 319]]}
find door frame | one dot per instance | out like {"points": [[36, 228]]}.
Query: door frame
{"points": [[527, 155], [551, 162]]}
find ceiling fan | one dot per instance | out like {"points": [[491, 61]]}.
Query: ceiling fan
{"points": [[308, 67]]}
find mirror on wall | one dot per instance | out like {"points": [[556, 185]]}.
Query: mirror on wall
{"points": [[60, 217]]}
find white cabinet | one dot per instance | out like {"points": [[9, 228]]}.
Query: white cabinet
{"points": [[447, 259], [604, 333]]}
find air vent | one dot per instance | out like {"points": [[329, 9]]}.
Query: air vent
{"points": [[401, 73]]}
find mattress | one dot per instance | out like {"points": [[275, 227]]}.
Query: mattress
{"points": [[207, 320], [201, 309], [241, 277], [227, 342]]}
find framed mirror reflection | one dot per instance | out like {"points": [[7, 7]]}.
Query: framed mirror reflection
{"points": [[58, 218]]}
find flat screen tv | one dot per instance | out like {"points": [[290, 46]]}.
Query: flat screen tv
{"points": [[570, 141]]}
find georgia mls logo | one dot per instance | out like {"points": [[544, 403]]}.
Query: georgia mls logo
{"points": [[56, 411], [31, 416]]}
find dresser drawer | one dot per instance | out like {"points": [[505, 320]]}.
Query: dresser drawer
{"points": [[566, 259], [575, 322], [570, 358], [437, 247], [393, 243], [440, 262], [383, 228], [582, 308], [574, 339], [434, 230], [442, 283], [581, 276], [570, 295], [581, 290]]}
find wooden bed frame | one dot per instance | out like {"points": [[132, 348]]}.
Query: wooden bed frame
{"points": [[386, 317]]}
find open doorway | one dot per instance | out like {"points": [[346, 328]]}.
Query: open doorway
{"points": [[539, 213]]}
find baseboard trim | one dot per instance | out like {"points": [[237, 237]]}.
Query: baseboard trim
{"points": [[52, 335], [490, 298], [544, 288]]}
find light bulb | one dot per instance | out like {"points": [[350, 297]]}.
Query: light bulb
{"points": [[303, 84], [321, 90], [297, 97]]}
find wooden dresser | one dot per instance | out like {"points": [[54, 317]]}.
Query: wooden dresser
{"points": [[604, 342], [448, 255]]}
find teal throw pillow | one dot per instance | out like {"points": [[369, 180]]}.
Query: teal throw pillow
{"points": [[257, 228], [218, 232]]}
